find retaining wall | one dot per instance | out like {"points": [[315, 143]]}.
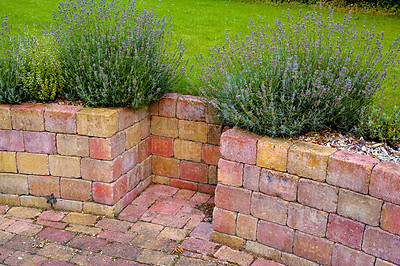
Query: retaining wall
{"points": [[303, 204]]}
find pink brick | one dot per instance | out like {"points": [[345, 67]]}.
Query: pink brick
{"points": [[183, 184], [224, 221], [109, 148], [275, 235], [307, 220], [144, 126], [350, 170], [317, 195], [129, 197], [390, 218], [144, 149], [40, 142], [28, 116], [102, 171], [211, 154], [269, 208], [251, 177], [346, 256], [109, 194], [230, 173], [129, 159], [233, 199], [126, 118], [199, 245], [191, 171], [162, 146], [167, 105], [11, 140], [61, 118], [246, 226], [134, 177], [345, 231], [385, 182], [313, 248], [381, 244], [165, 208], [56, 235], [76, 189], [190, 108], [205, 188], [240, 146], [279, 184]]}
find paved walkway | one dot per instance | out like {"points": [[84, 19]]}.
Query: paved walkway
{"points": [[160, 227]]}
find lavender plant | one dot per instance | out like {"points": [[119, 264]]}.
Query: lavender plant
{"points": [[114, 55], [308, 73]]}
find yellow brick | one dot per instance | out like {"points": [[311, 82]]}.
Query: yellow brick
{"points": [[5, 116], [68, 205], [132, 136], [80, 218], [13, 184], [65, 166], [98, 122], [31, 163], [273, 153], [8, 163], [73, 145], [160, 179], [87, 230], [6, 199], [34, 202], [196, 131], [165, 127], [187, 150], [100, 209], [23, 212]]}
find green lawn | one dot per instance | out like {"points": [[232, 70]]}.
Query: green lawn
{"points": [[200, 23]]}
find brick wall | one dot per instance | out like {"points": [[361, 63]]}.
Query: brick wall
{"points": [[94, 160], [305, 204]]}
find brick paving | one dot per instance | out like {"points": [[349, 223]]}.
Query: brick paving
{"points": [[160, 227]]}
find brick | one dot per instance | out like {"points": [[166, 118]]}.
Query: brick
{"points": [[346, 256], [162, 146], [31, 163], [44, 185], [109, 194], [65, 166], [144, 150], [381, 244], [164, 127], [5, 116], [12, 200], [183, 184], [167, 105], [28, 116], [228, 240], [101, 171], [345, 231], [165, 166], [309, 160], [246, 226], [129, 197], [130, 159], [213, 116], [390, 218], [234, 256], [307, 220], [107, 149], [126, 118], [34, 202], [24, 258], [8, 162], [142, 113], [380, 262], [290, 259], [224, 221], [268, 208], [214, 134], [150, 242], [195, 131], [230, 173], [279, 184], [212, 175], [211, 154], [72, 145], [263, 262], [54, 216], [144, 184], [202, 231], [97, 122], [233, 199], [146, 228], [160, 180], [56, 235], [155, 258], [24, 228], [273, 153], [205, 188], [103, 210], [122, 251], [80, 218], [187, 150], [61, 118], [359, 207], [317, 195], [40, 142], [191, 171], [134, 176], [263, 250], [385, 182], [146, 168], [132, 136], [68, 205], [145, 129], [313, 248], [83, 229], [153, 108], [190, 108], [113, 225], [173, 233], [23, 212], [88, 242], [165, 208], [75, 189], [57, 252], [200, 197], [11, 140], [275, 235], [251, 177], [199, 245]]}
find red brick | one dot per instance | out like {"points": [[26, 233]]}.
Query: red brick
{"points": [[101, 171], [307, 220], [279, 184], [167, 105], [251, 177], [129, 197], [199, 245], [40, 142], [88, 242], [233, 199], [317, 195], [134, 176], [385, 182], [240, 146], [129, 159], [224, 221], [345, 231], [191, 171], [350, 170], [76, 189], [269, 208], [165, 166], [346, 256], [390, 218], [126, 118], [246, 226], [54, 216], [11, 140], [162, 146], [109, 148], [44, 185], [28, 116], [210, 189], [144, 149], [144, 184], [183, 184], [132, 213], [56, 235], [211, 154], [313, 248], [381, 244], [190, 108], [230, 173], [165, 208], [162, 190], [275, 235], [61, 118], [109, 194]]}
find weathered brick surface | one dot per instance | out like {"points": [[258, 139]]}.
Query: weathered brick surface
{"points": [[75, 189], [145, 129], [269, 208], [346, 256], [210, 154], [381, 244], [72, 145], [191, 171], [212, 175], [273, 153], [146, 168], [109, 194], [144, 149], [8, 162], [345, 231], [390, 218], [224, 221], [32, 163], [359, 207], [107, 149], [162, 146], [279, 184], [129, 159], [251, 177], [187, 150], [28, 116], [293, 260], [385, 182], [350, 170], [380, 262], [126, 117], [61, 118], [5, 116], [13, 184], [274, 235], [307, 220], [313, 248], [164, 127], [44, 185], [97, 122], [165, 166], [132, 136], [40, 142], [167, 105], [183, 184], [263, 250], [134, 176], [102, 171], [317, 195], [11, 140], [233, 199], [190, 108], [214, 134], [65, 166], [230, 173], [196, 131], [246, 226]]}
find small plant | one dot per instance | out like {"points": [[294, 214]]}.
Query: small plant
{"points": [[51, 199]]}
